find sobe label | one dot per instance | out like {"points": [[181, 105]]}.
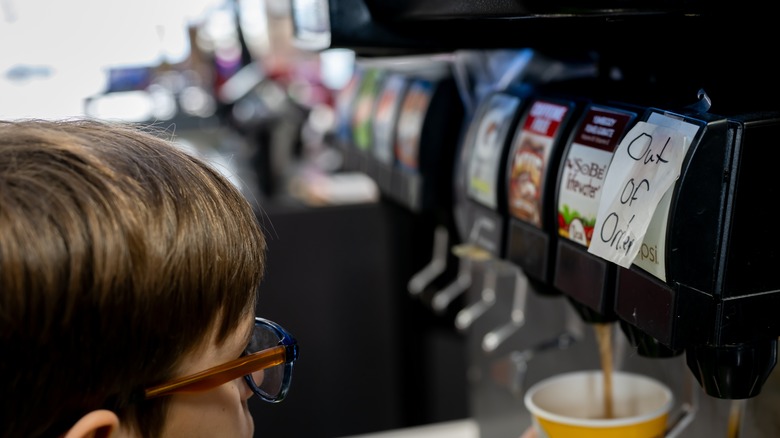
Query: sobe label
{"points": [[585, 169]]}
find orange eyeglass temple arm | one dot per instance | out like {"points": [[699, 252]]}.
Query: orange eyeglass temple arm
{"points": [[221, 374]]}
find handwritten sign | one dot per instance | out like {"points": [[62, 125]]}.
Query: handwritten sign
{"points": [[645, 165]]}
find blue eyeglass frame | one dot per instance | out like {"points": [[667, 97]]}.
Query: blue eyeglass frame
{"points": [[285, 352]]}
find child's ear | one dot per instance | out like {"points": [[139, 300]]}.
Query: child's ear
{"points": [[96, 424]]}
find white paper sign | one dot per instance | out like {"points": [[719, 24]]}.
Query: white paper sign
{"points": [[645, 165]]}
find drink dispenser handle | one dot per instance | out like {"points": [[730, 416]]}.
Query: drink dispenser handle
{"points": [[466, 253], [494, 338], [466, 316], [462, 282], [435, 267]]}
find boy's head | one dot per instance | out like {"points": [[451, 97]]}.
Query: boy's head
{"points": [[123, 261]]}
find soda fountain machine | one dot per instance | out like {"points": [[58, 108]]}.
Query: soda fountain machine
{"points": [[675, 258]]}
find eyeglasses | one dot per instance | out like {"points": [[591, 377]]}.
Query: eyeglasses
{"points": [[266, 366]]}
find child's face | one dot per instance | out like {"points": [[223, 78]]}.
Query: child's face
{"points": [[221, 411]]}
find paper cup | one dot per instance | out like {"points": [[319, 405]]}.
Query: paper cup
{"points": [[572, 406]]}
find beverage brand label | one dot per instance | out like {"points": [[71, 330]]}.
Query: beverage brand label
{"points": [[385, 117], [364, 107], [344, 106], [585, 169], [410, 124], [652, 252], [487, 150], [529, 160]]}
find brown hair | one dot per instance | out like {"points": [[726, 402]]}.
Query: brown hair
{"points": [[119, 253]]}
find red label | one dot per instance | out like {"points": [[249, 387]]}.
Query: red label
{"points": [[545, 118]]}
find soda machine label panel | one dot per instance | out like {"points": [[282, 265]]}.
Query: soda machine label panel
{"points": [[652, 252], [385, 117], [345, 101], [485, 164], [410, 124], [529, 159], [645, 165], [362, 130], [585, 169]]}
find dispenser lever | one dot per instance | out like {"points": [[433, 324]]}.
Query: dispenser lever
{"points": [[435, 267], [496, 337], [466, 316], [466, 252], [462, 282]]}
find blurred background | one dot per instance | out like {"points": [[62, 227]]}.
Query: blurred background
{"points": [[224, 78]]}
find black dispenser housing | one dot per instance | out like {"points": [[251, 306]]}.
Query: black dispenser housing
{"points": [[720, 295]]}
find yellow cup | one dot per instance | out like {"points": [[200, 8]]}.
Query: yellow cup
{"points": [[572, 406]]}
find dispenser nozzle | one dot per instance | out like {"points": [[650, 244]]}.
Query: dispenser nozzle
{"points": [[734, 371]]}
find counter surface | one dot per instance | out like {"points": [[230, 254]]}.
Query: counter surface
{"points": [[466, 428]]}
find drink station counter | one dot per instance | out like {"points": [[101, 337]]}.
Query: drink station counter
{"points": [[599, 204], [466, 428]]}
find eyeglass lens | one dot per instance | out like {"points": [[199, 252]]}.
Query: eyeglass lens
{"points": [[270, 380]]}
